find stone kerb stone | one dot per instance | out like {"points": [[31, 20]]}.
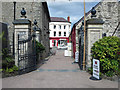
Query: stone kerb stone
{"points": [[93, 33]]}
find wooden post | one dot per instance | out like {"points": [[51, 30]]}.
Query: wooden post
{"points": [[84, 38]]}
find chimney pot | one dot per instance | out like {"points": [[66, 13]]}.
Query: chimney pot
{"points": [[68, 18]]}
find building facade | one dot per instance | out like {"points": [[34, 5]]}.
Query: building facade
{"points": [[59, 32], [34, 10], [106, 10]]}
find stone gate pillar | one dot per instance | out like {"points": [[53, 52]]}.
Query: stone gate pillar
{"points": [[94, 27], [37, 30], [23, 28]]}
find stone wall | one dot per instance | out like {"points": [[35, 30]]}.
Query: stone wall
{"points": [[118, 31], [36, 10], [108, 11]]}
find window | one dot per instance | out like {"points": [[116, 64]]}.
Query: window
{"points": [[64, 27], [64, 33], [54, 26], [60, 26], [54, 33], [54, 42], [59, 33]]}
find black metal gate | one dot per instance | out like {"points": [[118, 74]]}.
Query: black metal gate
{"points": [[26, 55], [81, 48]]}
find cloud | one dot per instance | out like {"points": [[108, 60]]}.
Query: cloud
{"points": [[73, 9], [74, 19]]}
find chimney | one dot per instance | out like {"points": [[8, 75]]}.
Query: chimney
{"points": [[68, 18]]}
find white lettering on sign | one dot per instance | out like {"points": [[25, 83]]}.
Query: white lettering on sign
{"points": [[96, 68]]}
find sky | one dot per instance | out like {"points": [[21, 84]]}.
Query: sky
{"points": [[73, 9]]}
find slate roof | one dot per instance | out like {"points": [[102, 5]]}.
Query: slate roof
{"points": [[58, 19]]}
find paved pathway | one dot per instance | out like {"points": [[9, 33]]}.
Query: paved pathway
{"points": [[57, 72]]}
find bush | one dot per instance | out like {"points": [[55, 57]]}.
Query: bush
{"points": [[12, 69], [39, 47], [8, 62], [107, 51]]}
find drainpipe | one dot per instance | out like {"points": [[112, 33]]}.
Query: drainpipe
{"points": [[14, 10], [13, 32]]}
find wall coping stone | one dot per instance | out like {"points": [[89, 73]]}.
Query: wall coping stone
{"points": [[21, 21], [94, 21]]}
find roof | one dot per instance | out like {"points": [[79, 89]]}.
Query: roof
{"points": [[58, 19]]}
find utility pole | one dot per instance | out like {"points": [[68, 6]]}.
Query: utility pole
{"points": [[84, 38]]}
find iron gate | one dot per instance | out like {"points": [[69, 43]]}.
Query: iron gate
{"points": [[26, 55], [81, 48]]}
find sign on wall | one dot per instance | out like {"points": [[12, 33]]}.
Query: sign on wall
{"points": [[96, 68], [76, 56]]}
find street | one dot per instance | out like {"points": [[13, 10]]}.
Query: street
{"points": [[57, 72]]}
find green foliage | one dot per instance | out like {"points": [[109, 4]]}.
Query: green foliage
{"points": [[11, 70], [4, 53], [90, 70], [1, 70], [1, 35], [15, 68], [39, 47], [110, 73], [106, 50], [7, 62]]}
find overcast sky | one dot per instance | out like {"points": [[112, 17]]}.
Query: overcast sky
{"points": [[73, 9]]}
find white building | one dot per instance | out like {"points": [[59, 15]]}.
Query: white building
{"points": [[60, 29]]}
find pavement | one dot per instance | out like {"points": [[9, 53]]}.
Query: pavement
{"points": [[57, 72]]}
